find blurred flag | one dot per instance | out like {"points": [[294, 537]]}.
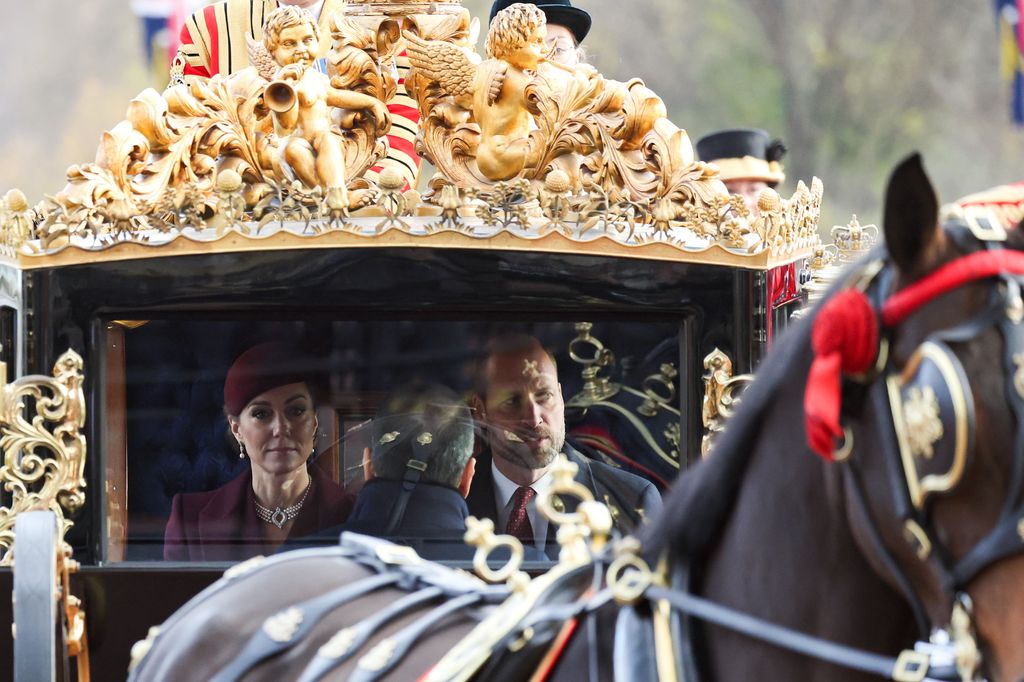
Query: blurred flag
{"points": [[1011, 45], [153, 16]]}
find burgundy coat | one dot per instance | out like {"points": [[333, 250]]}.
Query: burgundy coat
{"points": [[221, 524]]}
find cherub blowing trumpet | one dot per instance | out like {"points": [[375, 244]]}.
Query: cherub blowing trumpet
{"points": [[299, 99]]}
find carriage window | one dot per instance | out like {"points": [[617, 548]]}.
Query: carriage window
{"points": [[224, 439]]}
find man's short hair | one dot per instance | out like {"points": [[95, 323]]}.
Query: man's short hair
{"points": [[506, 344], [399, 433]]}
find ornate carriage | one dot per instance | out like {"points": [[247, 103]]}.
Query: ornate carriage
{"points": [[196, 231]]}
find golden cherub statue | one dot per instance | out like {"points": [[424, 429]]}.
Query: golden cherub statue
{"points": [[496, 90], [299, 98]]}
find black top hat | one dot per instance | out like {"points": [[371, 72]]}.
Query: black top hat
{"points": [[743, 154], [559, 12]]}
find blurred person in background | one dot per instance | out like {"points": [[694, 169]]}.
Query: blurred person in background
{"points": [[748, 161], [153, 15]]}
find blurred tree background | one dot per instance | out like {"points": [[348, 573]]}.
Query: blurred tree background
{"points": [[850, 85]]}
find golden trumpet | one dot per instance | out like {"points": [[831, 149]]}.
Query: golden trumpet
{"points": [[279, 96]]}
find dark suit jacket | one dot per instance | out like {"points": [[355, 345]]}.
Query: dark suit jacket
{"points": [[433, 523], [221, 525], [631, 498]]}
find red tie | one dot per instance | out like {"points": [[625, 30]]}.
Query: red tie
{"points": [[518, 520]]}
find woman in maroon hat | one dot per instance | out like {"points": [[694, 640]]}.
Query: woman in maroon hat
{"points": [[272, 415]]}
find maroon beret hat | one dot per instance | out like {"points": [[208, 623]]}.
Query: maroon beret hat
{"points": [[259, 369]]}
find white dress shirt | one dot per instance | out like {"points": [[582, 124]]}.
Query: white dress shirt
{"points": [[505, 488]]}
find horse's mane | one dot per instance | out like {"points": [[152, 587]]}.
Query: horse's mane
{"points": [[701, 500]]}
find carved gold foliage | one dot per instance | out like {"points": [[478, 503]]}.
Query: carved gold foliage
{"points": [[360, 46], [43, 453], [584, 156], [15, 221], [191, 133]]}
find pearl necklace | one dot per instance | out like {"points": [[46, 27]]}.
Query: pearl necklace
{"points": [[280, 516]]}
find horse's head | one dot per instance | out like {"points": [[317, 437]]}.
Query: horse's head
{"points": [[918, 384]]}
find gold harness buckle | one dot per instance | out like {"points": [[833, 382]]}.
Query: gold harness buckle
{"points": [[911, 666]]}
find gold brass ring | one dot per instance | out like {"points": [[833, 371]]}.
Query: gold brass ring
{"points": [[547, 506], [628, 578], [480, 534], [491, 575]]}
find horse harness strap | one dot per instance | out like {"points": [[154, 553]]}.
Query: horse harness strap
{"points": [[1007, 538], [383, 658], [910, 666], [286, 628], [424, 449], [394, 566], [348, 641], [935, 384]]}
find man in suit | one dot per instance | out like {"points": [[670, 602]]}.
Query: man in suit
{"points": [[519, 404], [213, 40]]}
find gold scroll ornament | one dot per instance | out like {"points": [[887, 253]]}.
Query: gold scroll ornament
{"points": [[43, 449], [43, 454]]}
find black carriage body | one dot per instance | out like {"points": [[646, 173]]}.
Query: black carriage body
{"points": [[84, 305]]}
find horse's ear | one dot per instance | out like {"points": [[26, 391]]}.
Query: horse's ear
{"points": [[912, 231]]}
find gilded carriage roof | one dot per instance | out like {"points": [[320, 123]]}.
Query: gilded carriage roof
{"points": [[529, 155]]}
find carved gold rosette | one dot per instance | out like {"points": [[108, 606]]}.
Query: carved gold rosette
{"points": [[523, 150], [43, 448]]}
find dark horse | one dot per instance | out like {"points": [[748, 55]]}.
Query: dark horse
{"points": [[908, 525]]}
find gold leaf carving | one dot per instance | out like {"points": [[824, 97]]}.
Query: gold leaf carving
{"points": [[43, 454], [521, 143]]}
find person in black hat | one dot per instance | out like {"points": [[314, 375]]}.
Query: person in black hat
{"points": [[567, 26], [747, 159]]}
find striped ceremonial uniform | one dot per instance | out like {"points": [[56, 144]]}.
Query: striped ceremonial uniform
{"points": [[213, 40]]}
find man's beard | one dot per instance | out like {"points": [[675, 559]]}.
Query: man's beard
{"points": [[510, 446]]}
